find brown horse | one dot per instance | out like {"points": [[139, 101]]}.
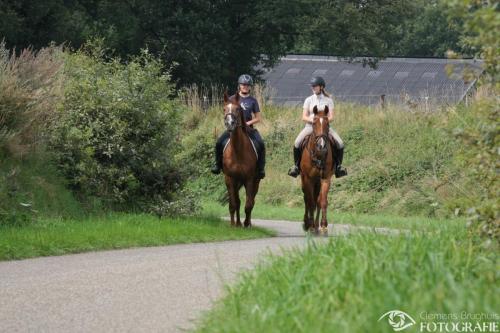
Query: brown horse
{"points": [[316, 172], [239, 162]]}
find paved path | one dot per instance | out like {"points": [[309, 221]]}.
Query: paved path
{"points": [[156, 289]]}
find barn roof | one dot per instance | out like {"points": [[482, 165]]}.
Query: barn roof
{"points": [[399, 79]]}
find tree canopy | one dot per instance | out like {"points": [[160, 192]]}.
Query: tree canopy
{"points": [[210, 42]]}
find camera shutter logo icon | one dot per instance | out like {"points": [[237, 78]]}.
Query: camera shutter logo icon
{"points": [[398, 320]]}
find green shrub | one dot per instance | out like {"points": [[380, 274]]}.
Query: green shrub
{"points": [[184, 203], [116, 131], [480, 136]]}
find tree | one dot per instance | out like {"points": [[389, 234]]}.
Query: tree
{"points": [[355, 28], [380, 28], [215, 41], [430, 33]]}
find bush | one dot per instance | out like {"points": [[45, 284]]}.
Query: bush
{"points": [[481, 139], [116, 129], [184, 203]]}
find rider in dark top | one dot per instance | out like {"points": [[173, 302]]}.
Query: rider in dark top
{"points": [[252, 114]]}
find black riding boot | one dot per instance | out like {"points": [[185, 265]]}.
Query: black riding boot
{"points": [[261, 162], [295, 170], [217, 167], [339, 156]]}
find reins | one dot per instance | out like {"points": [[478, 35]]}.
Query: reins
{"points": [[318, 162], [239, 122]]}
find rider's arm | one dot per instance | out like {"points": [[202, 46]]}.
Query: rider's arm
{"points": [[305, 112], [331, 111], [257, 118]]}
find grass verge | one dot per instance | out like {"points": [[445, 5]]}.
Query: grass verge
{"points": [[266, 211], [59, 236], [349, 283]]}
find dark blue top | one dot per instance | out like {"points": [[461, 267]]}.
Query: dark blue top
{"points": [[249, 105]]}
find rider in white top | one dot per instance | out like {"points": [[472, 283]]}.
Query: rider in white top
{"points": [[319, 98]]}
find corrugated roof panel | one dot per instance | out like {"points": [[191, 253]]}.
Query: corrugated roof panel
{"points": [[373, 74], [347, 73], [293, 70], [401, 75], [320, 72], [393, 76]]}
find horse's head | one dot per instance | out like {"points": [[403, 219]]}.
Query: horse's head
{"points": [[233, 116], [320, 128]]}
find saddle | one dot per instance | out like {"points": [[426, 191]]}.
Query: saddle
{"points": [[255, 144], [304, 142]]}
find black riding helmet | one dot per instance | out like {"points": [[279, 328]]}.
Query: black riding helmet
{"points": [[318, 81], [245, 79]]}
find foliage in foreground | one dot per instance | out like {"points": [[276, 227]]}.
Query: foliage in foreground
{"points": [[481, 134], [346, 285], [481, 137]]}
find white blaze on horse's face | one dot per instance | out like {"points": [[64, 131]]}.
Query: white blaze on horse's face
{"points": [[322, 143], [229, 118]]}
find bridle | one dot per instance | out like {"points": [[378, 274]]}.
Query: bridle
{"points": [[233, 114], [318, 156]]}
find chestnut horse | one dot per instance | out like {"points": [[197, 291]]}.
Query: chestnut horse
{"points": [[316, 172], [239, 162]]}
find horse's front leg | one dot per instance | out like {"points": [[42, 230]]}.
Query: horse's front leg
{"points": [[316, 200], [323, 203], [251, 188], [238, 204], [231, 190], [308, 190]]}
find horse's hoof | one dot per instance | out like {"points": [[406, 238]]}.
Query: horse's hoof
{"points": [[324, 231], [249, 225]]}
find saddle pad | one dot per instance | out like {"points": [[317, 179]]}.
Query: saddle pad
{"points": [[307, 137], [254, 145]]}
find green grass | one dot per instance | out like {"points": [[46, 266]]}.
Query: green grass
{"points": [[347, 284], [31, 187], [400, 162], [59, 236], [266, 211]]}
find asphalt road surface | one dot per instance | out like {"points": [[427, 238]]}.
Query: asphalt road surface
{"points": [[155, 289]]}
